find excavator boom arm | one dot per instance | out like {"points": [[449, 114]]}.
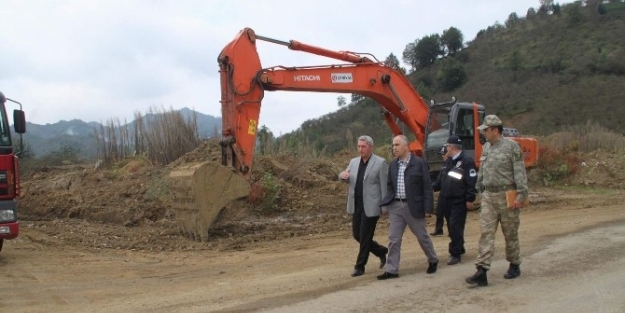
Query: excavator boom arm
{"points": [[244, 81]]}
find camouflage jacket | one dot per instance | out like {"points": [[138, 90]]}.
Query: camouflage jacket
{"points": [[502, 165]]}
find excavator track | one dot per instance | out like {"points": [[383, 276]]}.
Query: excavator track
{"points": [[200, 192]]}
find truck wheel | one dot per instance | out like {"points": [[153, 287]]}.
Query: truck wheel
{"points": [[1, 242]]}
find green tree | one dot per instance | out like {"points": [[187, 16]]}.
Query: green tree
{"points": [[410, 55], [265, 140], [392, 62], [513, 19], [66, 154], [451, 74], [452, 40], [428, 50], [546, 6], [341, 101], [356, 97]]}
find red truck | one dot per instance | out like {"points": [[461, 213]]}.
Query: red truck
{"points": [[9, 171]]}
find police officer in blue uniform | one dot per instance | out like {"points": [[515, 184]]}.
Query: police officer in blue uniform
{"points": [[456, 183]]}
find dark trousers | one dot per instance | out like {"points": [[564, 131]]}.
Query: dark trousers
{"points": [[440, 216], [455, 212], [363, 229]]}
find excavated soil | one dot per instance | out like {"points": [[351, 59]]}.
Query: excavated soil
{"points": [[131, 204]]}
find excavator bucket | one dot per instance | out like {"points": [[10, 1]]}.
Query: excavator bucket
{"points": [[200, 191]]}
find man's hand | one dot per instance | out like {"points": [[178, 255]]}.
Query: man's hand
{"points": [[344, 175], [469, 205], [517, 205]]}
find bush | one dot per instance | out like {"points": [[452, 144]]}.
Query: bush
{"points": [[554, 164], [265, 193], [451, 75]]}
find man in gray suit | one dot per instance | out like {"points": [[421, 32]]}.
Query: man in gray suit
{"points": [[409, 199], [367, 176]]}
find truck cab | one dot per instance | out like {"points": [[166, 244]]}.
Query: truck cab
{"points": [[9, 171]]}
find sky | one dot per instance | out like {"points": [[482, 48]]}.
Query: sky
{"points": [[97, 60]]}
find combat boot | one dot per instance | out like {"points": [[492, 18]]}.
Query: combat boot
{"points": [[479, 277], [514, 271]]}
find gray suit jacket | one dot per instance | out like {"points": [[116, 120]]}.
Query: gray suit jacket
{"points": [[374, 184]]}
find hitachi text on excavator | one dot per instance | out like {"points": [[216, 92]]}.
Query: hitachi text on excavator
{"points": [[204, 188]]}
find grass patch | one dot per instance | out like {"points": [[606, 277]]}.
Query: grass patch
{"points": [[587, 189]]}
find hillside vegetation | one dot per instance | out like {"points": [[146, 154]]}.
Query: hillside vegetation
{"points": [[539, 73]]}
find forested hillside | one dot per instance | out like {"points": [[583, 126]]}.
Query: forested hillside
{"points": [[558, 65]]}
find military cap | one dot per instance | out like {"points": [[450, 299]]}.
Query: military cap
{"points": [[490, 120]]}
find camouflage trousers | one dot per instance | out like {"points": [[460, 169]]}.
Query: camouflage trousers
{"points": [[494, 211]]}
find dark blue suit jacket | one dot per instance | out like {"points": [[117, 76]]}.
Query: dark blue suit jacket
{"points": [[419, 194]]}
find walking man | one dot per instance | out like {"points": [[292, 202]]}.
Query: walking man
{"points": [[409, 198], [456, 182], [502, 169], [367, 178]]}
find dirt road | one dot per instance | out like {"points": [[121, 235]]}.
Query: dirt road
{"points": [[572, 241]]}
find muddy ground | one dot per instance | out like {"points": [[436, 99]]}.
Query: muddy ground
{"points": [[106, 240]]}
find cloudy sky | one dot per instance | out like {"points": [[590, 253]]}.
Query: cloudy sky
{"points": [[100, 59]]}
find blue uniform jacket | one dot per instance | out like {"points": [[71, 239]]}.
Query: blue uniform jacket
{"points": [[457, 179]]}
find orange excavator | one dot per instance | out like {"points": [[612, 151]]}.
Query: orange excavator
{"points": [[244, 82]]}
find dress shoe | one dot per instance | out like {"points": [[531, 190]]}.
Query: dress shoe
{"points": [[478, 278], [513, 272], [453, 260], [382, 260], [387, 275], [432, 267], [358, 272], [437, 233]]}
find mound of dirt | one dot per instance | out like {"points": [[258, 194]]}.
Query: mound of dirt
{"points": [[600, 168], [130, 205]]}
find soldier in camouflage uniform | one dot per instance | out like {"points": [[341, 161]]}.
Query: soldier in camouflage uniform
{"points": [[501, 169]]}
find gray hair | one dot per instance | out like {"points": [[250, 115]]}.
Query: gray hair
{"points": [[366, 139]]}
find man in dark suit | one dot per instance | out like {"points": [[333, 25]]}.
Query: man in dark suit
{"points": [[367, 178], [409, 199]]}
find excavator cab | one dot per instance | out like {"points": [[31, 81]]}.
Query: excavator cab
{"points": [[452, 118]]}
